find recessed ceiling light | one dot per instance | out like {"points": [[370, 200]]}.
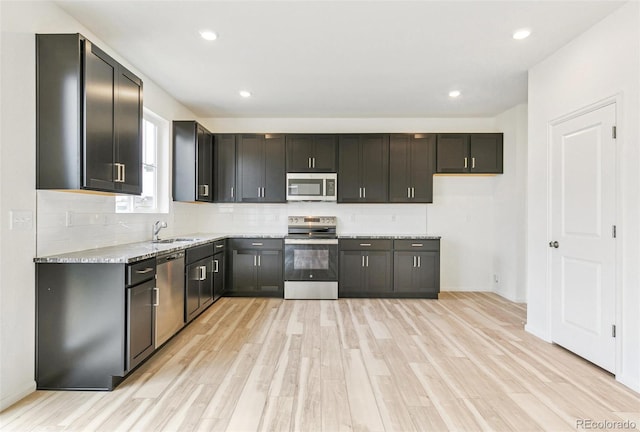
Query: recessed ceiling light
{"points": [[521, 34], [208, 35], [454, 93], [245, 93]]}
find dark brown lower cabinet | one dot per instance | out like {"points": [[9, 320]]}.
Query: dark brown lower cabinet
{"points": [[198, 280], [416, 268], [140, 323], [256, 268]]}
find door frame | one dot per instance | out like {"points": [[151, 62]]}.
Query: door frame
{"points": [[616, 100]]}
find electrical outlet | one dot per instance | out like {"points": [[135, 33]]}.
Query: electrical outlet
{"points": [[21, 220]]}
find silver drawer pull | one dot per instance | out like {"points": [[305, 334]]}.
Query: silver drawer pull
{"points": [[256, 244], [365, 244], [416, 245], [219, 246], [147, 270]]}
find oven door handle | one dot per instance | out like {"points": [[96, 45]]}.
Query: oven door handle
{"points": [[310, 241]]}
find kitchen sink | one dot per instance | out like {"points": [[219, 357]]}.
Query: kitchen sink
{"points": [[174, 240]]}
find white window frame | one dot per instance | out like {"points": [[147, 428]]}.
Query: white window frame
{"points": [[136, 204]]}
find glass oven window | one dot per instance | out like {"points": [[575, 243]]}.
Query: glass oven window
{"points": [[305, 187], [310, 259]]}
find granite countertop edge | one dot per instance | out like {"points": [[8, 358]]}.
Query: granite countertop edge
{"points": [[140, 251]]}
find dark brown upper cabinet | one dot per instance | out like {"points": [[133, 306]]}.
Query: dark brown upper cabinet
{"points": [[261, 173], [88, 118], [411, 167], [363, 172], [479, 153], [224, 161], [192, 162], [311, 153]]}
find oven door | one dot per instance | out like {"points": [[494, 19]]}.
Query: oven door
{"points": [[310, 260]]}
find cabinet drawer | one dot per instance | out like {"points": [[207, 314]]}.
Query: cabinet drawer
{"points": [[219, 246], [256, 243], [365, 244], [198, 252], [140, 272], [417, 245]]}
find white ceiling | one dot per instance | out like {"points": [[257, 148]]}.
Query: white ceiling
{"points": [[339, 58]]}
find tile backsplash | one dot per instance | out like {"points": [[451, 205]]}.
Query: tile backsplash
{"points": [[69, 221], [352, 218]]}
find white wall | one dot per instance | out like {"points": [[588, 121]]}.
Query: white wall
{"points": [[601, 63], [19, 23]]}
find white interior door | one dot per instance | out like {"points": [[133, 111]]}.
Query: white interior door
{"points": [[582, 246]]}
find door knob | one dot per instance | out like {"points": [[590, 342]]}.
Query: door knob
{"points": [[554, 244]]}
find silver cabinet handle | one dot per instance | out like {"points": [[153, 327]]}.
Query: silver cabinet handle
{"points": [[359, 192], [313, 160], [256, 244], [362, 260], [124, 173], [259, 263], [408, 192], [215, 269], [156, 292], [364, 192], [367, 260], [413, 192], [205, 190], [473, 162], [120, 172], [203, 273], [419, 262], [263, 192], [466, 162], [259, 192], [417, 244], [232, 192], [309, 163], [365, 244], [255, 260], [415, 261], [145, 271], [219, 246]]}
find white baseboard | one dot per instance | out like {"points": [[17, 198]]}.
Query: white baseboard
{"points": [[17, 395], [632, 382], [537, 333]]}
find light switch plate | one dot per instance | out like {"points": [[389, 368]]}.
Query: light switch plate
{"points": [[21, 220]]}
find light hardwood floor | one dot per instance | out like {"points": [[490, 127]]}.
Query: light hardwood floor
{"points": [[462, 363]]}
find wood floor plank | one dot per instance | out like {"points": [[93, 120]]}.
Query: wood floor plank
{"points": [[461, 363]]}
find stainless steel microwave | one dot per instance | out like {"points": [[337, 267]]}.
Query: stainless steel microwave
{"points": [[312, 186]]}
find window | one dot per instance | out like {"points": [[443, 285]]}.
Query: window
{"points": [[155, 178]]}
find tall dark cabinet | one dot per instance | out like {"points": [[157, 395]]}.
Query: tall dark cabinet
{"points": [[363, 174], [412, 163], [311, 152], [479, 153], [88, 118], [261, 168], [192, 162], [224, 162]]}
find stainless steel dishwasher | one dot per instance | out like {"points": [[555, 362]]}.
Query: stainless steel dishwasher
{"points": [[169, 299]]}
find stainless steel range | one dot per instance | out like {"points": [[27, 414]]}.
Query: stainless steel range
{"points": [[311, 258]]}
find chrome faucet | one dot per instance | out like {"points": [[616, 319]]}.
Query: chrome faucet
{"points": [[156, 229]]}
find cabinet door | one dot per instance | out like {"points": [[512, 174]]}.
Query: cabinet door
{"points": [[351, 273], [452, 153], [374, 167], [422, 166], [427, 274], [486, 153], [204, 163], [195, 274], [140, 323], [225, 168], [129, 132], [250, 179], [274, 169], [399, 168], [244, 271], [299, 153], [270, 280], [349, 185], [218, 275], [206, 287], [100, 75], [324, 153], [404, 263], [378, 272]]}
